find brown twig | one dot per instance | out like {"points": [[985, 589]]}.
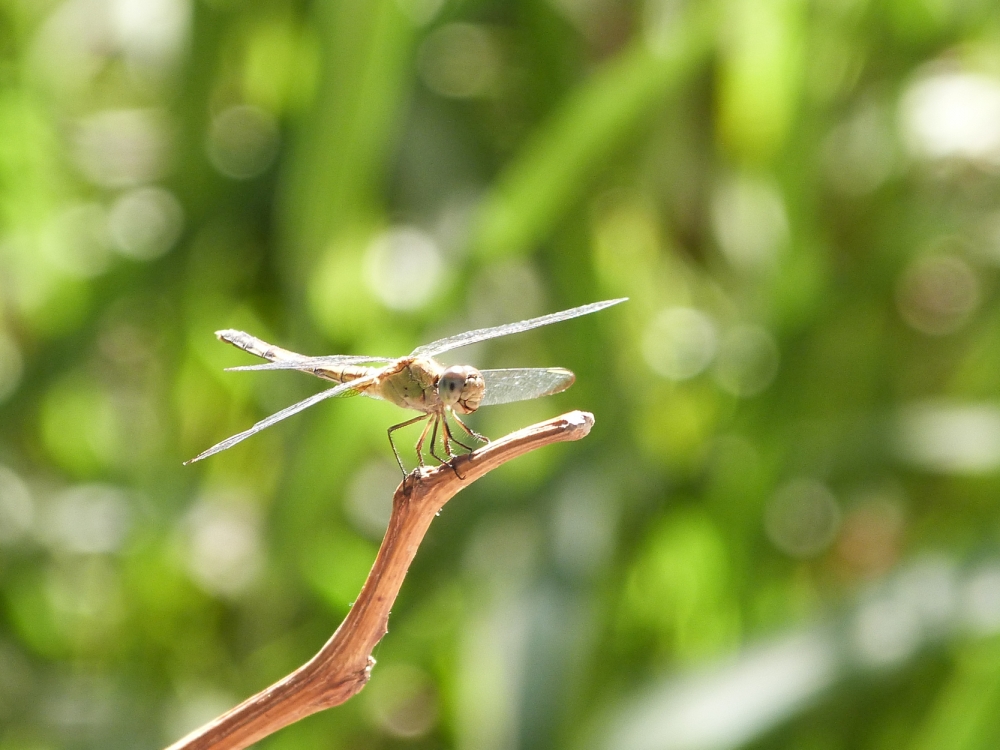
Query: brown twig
{"points": [[343, 665]]}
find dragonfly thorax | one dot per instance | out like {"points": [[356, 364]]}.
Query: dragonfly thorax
{"points": [[462, 388]]}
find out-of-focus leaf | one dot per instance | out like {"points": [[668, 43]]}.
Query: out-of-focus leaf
{"points": [[563, 155]]}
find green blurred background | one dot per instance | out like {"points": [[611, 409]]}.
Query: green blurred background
{"points": [[782, 531]]}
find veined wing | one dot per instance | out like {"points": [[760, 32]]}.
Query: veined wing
{"points": [[482, 334], [343, 389], [308, 363], [506, 386], [283, 359]]}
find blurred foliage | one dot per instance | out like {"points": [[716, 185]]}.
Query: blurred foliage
{"points": [[782, 532]]}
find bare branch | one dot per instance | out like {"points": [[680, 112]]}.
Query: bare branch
{"points": [[343, 665]]}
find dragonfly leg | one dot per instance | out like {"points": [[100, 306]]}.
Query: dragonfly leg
{"points": [[423, 436], [446, 439], [470, 432], [392, 429], [451, 436], [434, 434]]}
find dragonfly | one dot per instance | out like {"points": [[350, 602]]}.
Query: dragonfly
{"points": [[417, 381]]}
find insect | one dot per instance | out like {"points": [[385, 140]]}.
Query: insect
{"points": [[416, 381]]}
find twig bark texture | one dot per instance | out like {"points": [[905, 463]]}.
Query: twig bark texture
{"points": [[343, 665]]}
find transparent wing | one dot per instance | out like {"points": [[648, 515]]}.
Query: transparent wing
{"points": [[308, 363], [505, 386], [283, 359], [482, 334], [343, 389]]}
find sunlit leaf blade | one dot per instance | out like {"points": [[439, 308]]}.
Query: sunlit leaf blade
{"points": [[342, 389], [507, 386], [483, 334]]}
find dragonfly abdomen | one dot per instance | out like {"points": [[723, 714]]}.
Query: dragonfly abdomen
{"points": [[256, 346], [344, 374], [264, 350]]}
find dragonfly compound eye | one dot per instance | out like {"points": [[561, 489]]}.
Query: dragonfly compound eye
{"points": [[461, 387], [450, 385]]}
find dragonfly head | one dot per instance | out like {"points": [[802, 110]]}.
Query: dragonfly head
{"points": [[461, 387]]}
